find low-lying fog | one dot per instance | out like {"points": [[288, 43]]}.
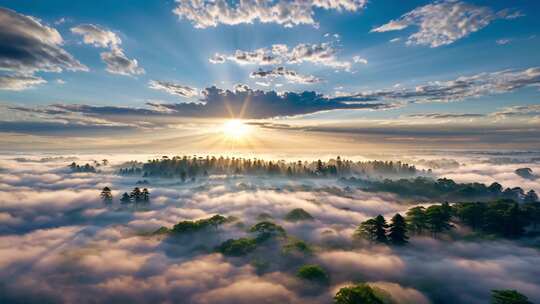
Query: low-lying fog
{"points": [[60, 243]]}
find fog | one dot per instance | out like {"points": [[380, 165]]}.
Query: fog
{"points": [[60, 243]]}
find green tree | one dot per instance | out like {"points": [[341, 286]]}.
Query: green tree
{"points": [[373, 229], [266, 230], [126, 199], [358, 294], [398, 230], [313, 273], [106, 195], [508, 296], [438, 219], [416, 219]]}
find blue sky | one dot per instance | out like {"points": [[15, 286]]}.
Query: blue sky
{"points": [[173, 49]]}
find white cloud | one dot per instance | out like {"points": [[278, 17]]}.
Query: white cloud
{"points": [[97, 36], [117, 62], [173, 88], [19, 82], [324, 54], [204, 14], [444, 22], [358, 59]]}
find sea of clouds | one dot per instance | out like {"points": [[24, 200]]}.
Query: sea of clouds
{"points": [[60, 244]]}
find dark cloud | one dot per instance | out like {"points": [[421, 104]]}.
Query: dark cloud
{"points": [[59, 128], [259, 104], [27, 45], [287, 74], [242, 102]]}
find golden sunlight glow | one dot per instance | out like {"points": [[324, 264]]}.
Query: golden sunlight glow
{"points": [[235, 129]]}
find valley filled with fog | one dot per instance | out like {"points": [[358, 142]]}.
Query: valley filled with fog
{"points": [[61, 240]]}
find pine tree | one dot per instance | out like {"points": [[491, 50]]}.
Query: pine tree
{"points": [[416, 219], [126, 199], [367, 230], [106, 195], [145, 195], [398, 230], [380, 229], [136, 195]]}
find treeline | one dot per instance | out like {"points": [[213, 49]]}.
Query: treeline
{"points": [[443, 189], [504, 218], [135, 196], [86, 168], [192, 167]]}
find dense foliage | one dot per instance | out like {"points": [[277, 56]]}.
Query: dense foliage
{"points": [[508, 297], [313, 273], [192, 167], [237, 247], [443, 189], [357, 294]]}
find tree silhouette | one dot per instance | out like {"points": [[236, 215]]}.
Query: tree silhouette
{"points": [[106, 195], [136, 195], [398, 230], [531, 197], [508, 297], [126, 199], [145, 195]]}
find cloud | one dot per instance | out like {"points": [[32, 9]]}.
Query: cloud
{"points": [[446, 115], [173, 88], [214, 102], [19, 82], [444, 22], [324, 54], [503, 41], [204, 14], [358, 59], [115, 59], [259, 104], [461, 88], [59, 243], [27, 46], [97, 36], [532, 110], [290, 75], [118, 63]]}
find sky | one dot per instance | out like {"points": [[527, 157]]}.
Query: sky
{"points": [[354, 74]]}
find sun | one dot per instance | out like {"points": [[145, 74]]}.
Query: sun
{"points": [[235, 129]]}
